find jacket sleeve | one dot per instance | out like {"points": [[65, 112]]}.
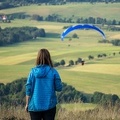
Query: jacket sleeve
{"points": [[29, 84], [58, 82]]}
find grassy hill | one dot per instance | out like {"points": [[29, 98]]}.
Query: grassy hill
{"points": [[96, 75]]}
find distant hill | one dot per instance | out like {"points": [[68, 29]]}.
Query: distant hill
{"points": [[5, 4]]}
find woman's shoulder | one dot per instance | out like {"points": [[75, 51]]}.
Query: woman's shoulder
{"points": [[54, 70]]}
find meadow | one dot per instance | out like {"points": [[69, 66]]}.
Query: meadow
{"points": [[96, 75], [99, 74], [109, 11], [111, 113]]}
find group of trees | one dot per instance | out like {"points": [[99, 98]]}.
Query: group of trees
{"points": [[14, 94], [5, 5], [115, 42], [104, 99], [71, 62], [113, 28], [19, 34], [103, 55], [81, 61], [72, 19]]}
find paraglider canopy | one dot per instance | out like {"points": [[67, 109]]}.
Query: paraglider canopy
{"points": [[80, 27]]}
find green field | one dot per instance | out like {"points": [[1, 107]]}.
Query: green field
{"points": [[96, 75], [109, 11], [101, 75]]}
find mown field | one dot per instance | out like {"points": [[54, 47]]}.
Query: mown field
{"points": [[101, 74], [109, 11]]}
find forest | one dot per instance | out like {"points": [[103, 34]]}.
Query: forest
{"points": [[19, 34]]}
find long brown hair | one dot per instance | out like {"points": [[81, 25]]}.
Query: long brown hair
{"points": [[44, 57]]}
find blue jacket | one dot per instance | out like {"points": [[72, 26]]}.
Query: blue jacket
{"points": [[42, 84]]}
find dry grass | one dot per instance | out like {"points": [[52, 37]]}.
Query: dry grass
{"points": [[100, 113], [13, 113]]}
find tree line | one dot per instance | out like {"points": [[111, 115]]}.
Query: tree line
{"points": [[81, 60], [18, 34], [16, 3], [115, 42], [73, 19], [14, 94], [57, 18]]}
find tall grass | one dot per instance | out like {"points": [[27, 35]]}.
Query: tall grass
{"points": [[99, 113]]}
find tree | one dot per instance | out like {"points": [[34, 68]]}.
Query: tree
{"points": [[91, 20], [90, 57], [116, 42], [2, 86], [114, 53], [71, 62], [56, 64], [37, 17], [76, 62], [41, 32], [99, 56], [114, 22], [62, 62], [115, 98], [70, 94], [75, 35], [79, 60], [104, 55], [97, 96]]}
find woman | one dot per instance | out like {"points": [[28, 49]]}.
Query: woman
{"points": [[42, 83]]}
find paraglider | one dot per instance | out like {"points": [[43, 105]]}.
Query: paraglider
{"points": [[80, 27]]}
